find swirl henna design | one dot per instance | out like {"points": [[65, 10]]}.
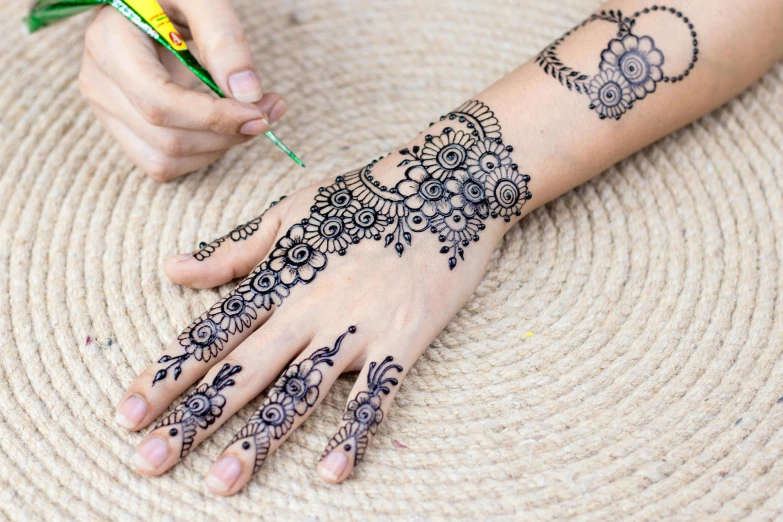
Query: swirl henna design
{"points": [[293, 394], [363, 414], [200, 409], [240, 233], [452, 185], [630, 67]]}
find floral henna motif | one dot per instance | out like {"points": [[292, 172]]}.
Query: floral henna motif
{"points": [[200, 409], [630, 68], [452, 185], [291, 396], [363, 414], [240, 233]]}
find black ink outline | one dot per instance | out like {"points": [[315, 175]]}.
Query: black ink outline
{"points": [[200, 409], [294, 393], [240, 233], [364, 414], [453, 183], [626, 73]]}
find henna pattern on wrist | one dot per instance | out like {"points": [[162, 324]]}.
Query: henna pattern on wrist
{"points": [[200, 409], [630, 67], [364, 414], [452, 185], [293, 394], [240, 233]]}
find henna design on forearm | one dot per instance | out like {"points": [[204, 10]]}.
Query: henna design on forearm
{"points": [[453, 184], [364, 414], [630, 67], [240, 233], [293, 394], [200, 409]]}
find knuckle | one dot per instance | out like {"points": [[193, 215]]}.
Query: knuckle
{"points": [[152, 111], [223, 42], [170, 145], [218, 121], [159, 169]]}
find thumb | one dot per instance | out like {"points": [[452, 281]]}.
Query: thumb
{"points": [[223, 47]]}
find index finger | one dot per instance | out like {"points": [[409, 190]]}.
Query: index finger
{"points": [[128, 57]]}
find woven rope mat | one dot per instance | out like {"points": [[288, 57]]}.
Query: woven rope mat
{"points": [[649, 388]]}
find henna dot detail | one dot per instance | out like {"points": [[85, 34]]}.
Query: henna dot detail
{"points": [[246, 445]]}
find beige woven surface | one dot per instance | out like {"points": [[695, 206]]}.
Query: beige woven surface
{"points": [[649, 388]]}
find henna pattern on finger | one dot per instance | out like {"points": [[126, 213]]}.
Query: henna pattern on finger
{"points": [[240, 233], [294, 393], [364, 414], [453, 183], [200, 409], [631, 66]]}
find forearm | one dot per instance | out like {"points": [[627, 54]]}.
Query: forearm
{"points": [[561, 142]]}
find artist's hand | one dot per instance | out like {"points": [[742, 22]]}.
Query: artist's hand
{"points": [[360, 272], [156, 108]]}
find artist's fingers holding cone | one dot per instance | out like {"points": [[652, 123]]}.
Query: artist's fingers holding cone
{"points": [[226, 388], [154, 163], [129, 58], [169, 142], [368, 406], [292, 398], [230, 256]]}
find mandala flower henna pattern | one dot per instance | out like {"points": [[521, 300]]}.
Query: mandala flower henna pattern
{"points": [[363, 414], [453, 183], [630, 67], [240, 233], [291, 396], [200, 409]]}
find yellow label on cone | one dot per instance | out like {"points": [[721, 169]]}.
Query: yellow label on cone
{"points": [[152, 13]]}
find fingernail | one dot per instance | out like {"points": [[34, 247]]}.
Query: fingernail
{"points": [[224, 474], [333, 465], [254, 127], [131, 412], [245, 86], [179, 257], [151, 454], [278, 109]]}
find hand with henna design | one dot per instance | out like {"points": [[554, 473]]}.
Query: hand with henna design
{"points": [[416, 227], [362, 271]]}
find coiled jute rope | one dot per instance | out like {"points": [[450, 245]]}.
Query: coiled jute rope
{"points": [[648, 389]]}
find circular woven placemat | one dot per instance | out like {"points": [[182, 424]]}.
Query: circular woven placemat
{"points": [[650, 385]]}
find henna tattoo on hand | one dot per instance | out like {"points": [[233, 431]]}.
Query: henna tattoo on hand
{"points": [[240, 233], [293, 394], [363, 414], [200, 409], [453, 184], [630, 67]]}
